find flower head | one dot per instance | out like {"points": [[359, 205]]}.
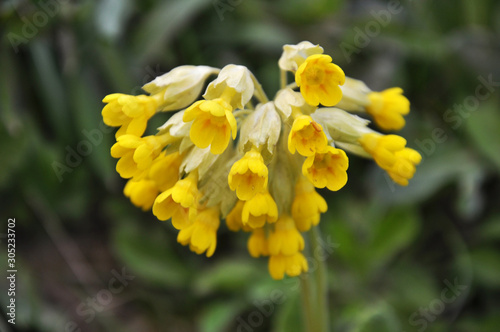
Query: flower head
{"points": [[213, 124], [319, 80], [306, 136], [388, 107], [248, 176], [327, 169], [190, 171]]}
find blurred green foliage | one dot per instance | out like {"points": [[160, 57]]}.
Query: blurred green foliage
{"points": [[396, 249]]}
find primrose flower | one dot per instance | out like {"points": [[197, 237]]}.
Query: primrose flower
{"points": [[201, 235], [213, 124], [136, 154], [233, 154], [306, 136], [258, 243], [293, 265], [392, 155], [248, 176], [319, 80], [260, 209], [131, 113], [388, 107], [307, 205], [327, 169], [178, 203]]}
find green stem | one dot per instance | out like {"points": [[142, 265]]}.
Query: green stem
{"points": [[321, 282], [307, 303]]}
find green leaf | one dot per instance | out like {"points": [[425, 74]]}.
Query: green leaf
{"points": [[486, 267], [218, 316], [228, 275], [483, 127], [393, 233], [162, 24], [148, 254]]}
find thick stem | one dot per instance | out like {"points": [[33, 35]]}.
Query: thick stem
{"points": [[321, 281], [307, 303]]}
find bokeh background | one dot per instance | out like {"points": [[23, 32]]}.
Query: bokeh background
{"points": [[421, 258]]}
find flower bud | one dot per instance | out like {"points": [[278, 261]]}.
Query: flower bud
{"points": [[261, 129], [294, 55], [182, 85], [234, 84]]}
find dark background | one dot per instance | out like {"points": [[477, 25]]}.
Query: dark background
{"points": [[420, 258]]}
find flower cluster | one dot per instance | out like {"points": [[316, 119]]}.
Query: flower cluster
{"points": [[236, 156]]}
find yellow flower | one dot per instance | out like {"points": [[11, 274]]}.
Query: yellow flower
{"points": [[307, 206], [306, 136], [131, 113], [404, 167], [285, 239], [248, 176], [260, 209], [327, 169], [319, 80], [178, 202], [391, 154], [388, 107], [213, 124], [142, 193], [165, 170], [137, 153], [258, 243], [201, 235], [292, 265], [383, 148], [233, 219]]}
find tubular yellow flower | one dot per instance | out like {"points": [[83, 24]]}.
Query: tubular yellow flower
{"points": [[137, 153], [142, 193], [293, 265], [388, 107], [404, 167], [285, 239], [307, 136], [201, 235], [383, 148], [233, 219], [213, 124], [248, 176], [390, 153], [307, 206], [327, 169], [178, 202], [165, 170], [258, 243], [319, 80], [131, 113], [260, 209]]}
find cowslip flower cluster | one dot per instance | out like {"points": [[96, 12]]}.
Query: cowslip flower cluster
{"points": [[236, 156]]}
